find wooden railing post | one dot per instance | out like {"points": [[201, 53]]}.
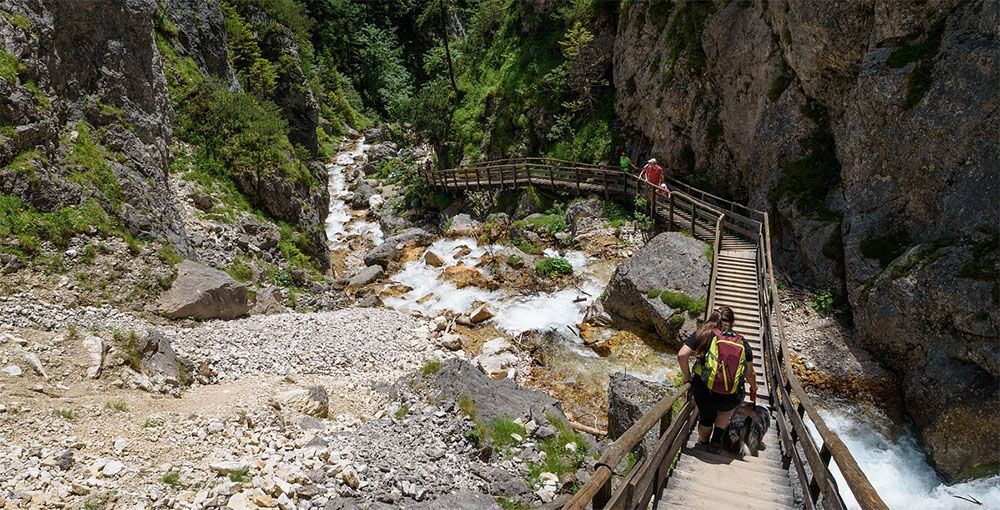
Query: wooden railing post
{"points": [[694, 211]]}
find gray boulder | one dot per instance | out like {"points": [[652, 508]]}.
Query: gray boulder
{"points": [[366, 276], [311, 401], [203, 293], [364, 191], [462, 225], [461, 500], [269, 302], [670, 261], [628, 399], [591, 208], [387, 252], [527, 205], [158, 361], [494, 398]]}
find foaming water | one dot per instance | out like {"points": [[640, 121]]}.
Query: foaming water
{"points": [[340, 223], [899, 471]]}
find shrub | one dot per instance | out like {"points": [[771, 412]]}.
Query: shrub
{"points": [[552, 267], [240, 270], [117, 405], [402, 411], [822, 303]]}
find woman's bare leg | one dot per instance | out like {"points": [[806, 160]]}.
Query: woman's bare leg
{"points": [[722, 419]]}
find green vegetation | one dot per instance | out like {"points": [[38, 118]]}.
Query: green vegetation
{"points": [[676, 321], [150, 423], [117, 405], [19, 21], [922, 52], [25, 229], [402, 411], [778, 85], [684, 35], [169, 256], [239, 475], [66, 414], [128, 345], [10, 66], [822, 303], [551, 267], [502, 432], [549, 223], [886, 248], [680, 301], [564, 452], [431, 367], [510, 504], [172, 479], [89, 164], [807, 181], [240, 270], [529, 248]]}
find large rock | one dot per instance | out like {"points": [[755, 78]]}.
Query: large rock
{"points": [[388, 252], [462, 225], [364, 191], [269, 302], [587, 209], [493, 398], [203, 293], [670, 261], [628, 399], [312, 401], [366, 276]]}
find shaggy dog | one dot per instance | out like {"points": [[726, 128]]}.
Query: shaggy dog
{"points": [[746, 429]]}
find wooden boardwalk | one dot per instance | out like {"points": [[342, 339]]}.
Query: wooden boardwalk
{"points": [[793, 468]]}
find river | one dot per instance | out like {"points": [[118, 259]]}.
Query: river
{"points": [[897, 467]]}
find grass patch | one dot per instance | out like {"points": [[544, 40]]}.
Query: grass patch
{"points": [[239, 475], [66, 414], [19, 21], [240, 270], [529, 248], [681, 301], [884, 249], [558, 458], [169, 256], [552, 267], [676, 321], [89, 164], [25, 229], [128, 344], [550, 224], [431, 367], [150, 423], [172, 479], [116, 405], [402, 411], [822, 303], [502, 432], [468, 407], [10, 66], [511, 504]]}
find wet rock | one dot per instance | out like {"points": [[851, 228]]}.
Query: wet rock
{"points": [[388, 251], [463, 276], [462, 225], [670, 261], [366, 276], [481, 314], [364, 191], [312, 401], [628, 399], [433, 259], [203, 293]]}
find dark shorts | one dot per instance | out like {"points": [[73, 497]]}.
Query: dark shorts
{"points": [[710, 404]]}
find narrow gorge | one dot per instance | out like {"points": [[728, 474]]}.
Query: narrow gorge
{"points": [[234, 272]]}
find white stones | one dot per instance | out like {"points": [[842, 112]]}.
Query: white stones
{"points": [[224, 467], [119, 445], [239, 501], [112, 468], [94, 346], [11, 371], [36, 364]]}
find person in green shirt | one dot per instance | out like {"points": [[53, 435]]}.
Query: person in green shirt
{"points": [[625, 162]]}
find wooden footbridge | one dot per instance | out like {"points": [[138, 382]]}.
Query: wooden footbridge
{"points": [[793, 470]]}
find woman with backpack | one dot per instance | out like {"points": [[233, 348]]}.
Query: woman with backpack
{"points": [[723, 361]]}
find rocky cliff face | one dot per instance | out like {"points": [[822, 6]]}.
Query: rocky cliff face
{"points": [[86, 114], [869, 130]]}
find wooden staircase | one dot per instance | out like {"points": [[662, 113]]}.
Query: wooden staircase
{"points": [[729, 481]]}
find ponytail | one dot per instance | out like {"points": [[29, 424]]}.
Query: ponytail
{"points": [[721, 318]]}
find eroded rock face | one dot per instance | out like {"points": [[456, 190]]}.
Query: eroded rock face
{"points": [[669, 261], [857, 125], [99, 77], [390, 250], [203, 293]]}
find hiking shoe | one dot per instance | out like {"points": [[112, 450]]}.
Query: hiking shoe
{"points": [[706, 447], [715, 448]]}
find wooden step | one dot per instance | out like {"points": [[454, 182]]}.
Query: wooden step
{"points": [[749, 496], [738, 261], [692, 471]]}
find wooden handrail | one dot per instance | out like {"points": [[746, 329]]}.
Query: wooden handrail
{"points": [[615, 453], [702, 208], [716, 247]]}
